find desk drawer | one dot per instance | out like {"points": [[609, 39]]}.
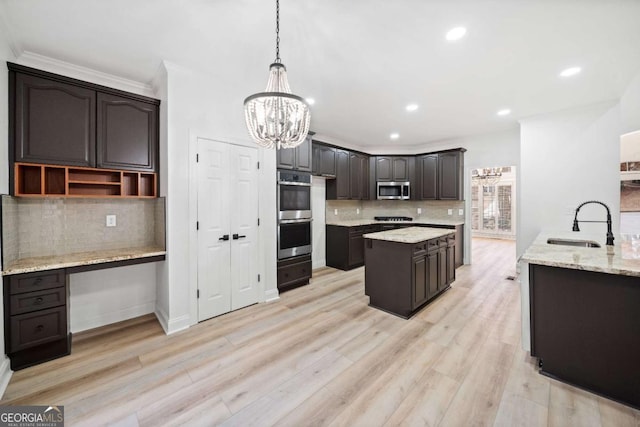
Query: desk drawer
{"points": [[39, 327], [38, 281], [32, 301]]}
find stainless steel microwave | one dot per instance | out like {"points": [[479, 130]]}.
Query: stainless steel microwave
{"points": [[393, 190]]}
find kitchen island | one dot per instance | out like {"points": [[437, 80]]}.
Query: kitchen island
{"points": [[581, 314], [407, 268]]}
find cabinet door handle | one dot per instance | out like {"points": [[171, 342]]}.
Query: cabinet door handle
{"points": [[225, 237], [39, 328], [37, 281], [38, 301], [236, 236]]}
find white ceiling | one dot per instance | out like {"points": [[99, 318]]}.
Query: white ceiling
{"points": [[362, 60]]}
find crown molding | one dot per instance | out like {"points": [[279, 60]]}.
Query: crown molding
{"points": [[46, 63]]}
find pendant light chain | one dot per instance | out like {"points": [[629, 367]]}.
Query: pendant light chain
{"points": [[278, 31]]}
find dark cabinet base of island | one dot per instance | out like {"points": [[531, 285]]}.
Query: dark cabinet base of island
{"points": [[585, 329], [401, 278]]}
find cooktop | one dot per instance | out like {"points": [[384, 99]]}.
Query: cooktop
{"points": [[392, 218]]}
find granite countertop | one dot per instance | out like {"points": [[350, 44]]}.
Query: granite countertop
{"points": [[409, 234], [358, 222], [28, 265], [622, 261]]}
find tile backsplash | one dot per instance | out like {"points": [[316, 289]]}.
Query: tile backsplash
{"points": [[431, 209], [57, 226]]}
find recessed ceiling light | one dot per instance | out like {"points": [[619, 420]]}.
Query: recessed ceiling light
{"points": [[570, 72], [310, 101], [504, 112], [412, 107], [394, 135], [456, 33]]}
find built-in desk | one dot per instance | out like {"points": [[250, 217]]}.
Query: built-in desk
{"points": [[36, 300]]}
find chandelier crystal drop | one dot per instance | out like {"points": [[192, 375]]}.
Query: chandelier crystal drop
{"points": [[276, 118]]}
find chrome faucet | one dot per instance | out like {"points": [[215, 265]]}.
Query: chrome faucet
{"points": [[608, 221]]}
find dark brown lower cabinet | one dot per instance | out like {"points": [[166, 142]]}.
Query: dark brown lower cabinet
{"points": [[294, 272], [401, 278], [345, 245], [585, 329], [36, 317]]}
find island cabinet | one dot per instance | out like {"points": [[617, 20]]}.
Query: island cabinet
{"points": [[298, 158], [585, 328], [401, 278], [58, 120], [36, 317], [345, 245]]}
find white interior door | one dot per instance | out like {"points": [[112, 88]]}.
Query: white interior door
{"points": [[227, 233], [244, 226]]}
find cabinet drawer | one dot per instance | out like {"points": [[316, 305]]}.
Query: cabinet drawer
{"points": [[38, 281], [39, 327], [294, 273], [420, 248], [32, 301]]}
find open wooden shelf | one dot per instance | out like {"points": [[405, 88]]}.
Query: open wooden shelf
{"points": [[48, 180]]}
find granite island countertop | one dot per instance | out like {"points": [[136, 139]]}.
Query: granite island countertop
{"points": [[359, 222], [621, 261], [28, 265], [409, 235]]}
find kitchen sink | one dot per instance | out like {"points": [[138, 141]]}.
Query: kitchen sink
{"points": [[570, 242]]}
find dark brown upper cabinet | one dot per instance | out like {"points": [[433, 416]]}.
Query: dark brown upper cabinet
{"points": [[440, 175], [358, 176], [392, 168], [324, 160], [297, 158], [55, 119], [450, 175], [55, 122], [126, 133], [428, 177], [340, 188]]}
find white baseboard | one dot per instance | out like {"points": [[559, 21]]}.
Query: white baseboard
{"points": [[5, 374], [271, 295], [172, 326], [319, 263], [78, 325]]}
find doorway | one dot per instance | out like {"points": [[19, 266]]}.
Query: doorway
{"points": [[493, 202], [227, 235]]}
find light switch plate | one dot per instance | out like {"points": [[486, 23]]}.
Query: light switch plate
{"points": [[111, 220], [460, 212], [450, 211], [335, 211], [419, 211], [358, 211]]}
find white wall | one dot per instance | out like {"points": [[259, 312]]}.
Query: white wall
{"points": [[567, 158], [318, 238], [630, 107], [6, 54], [208, 106]]}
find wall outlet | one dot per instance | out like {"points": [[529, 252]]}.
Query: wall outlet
{"points": [[111, 220], [358, 211], [419, 211], [460, 212], [450, 211], [335, 211]]}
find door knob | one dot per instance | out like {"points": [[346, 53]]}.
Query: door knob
{"points": [[236, 237], [225, 237]]}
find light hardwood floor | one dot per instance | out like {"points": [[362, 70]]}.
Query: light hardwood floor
{"points": [[321, 356]]}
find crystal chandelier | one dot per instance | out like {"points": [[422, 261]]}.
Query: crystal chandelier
{"points": [[276, 118]]}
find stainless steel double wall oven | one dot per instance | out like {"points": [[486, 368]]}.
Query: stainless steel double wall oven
{"points": [[294, 214]]}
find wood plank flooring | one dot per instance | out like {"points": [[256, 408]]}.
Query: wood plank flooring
{"points": [[321, 356]]}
